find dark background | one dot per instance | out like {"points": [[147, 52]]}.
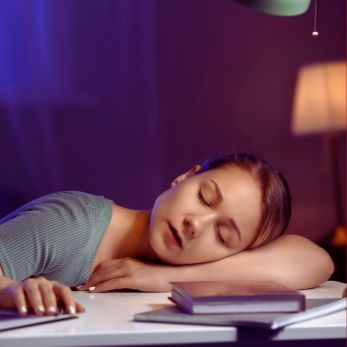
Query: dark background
{"points": [[117, 98]]}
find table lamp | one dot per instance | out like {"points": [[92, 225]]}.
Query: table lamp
{"points": [[278, 7], [284, 8], [320, 108]]}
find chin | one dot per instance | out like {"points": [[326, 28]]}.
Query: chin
{"points": [[174, 259], [169, 260], [164, 256]]}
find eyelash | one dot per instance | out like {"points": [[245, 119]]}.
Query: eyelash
{"points": [[203, 200], [219, 236]]}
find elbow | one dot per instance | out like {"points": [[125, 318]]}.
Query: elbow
{"points": [[322, 267], [326, 266], [313, 265]]}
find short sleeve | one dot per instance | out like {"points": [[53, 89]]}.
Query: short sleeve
{"points": [[46, 235]]}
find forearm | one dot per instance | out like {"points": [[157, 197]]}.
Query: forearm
{"points": [[291, 260]]}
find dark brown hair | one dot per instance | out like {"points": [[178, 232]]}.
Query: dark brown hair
{"points": [[276, 198]]}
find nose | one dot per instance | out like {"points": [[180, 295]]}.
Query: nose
{"points": [[195, 224]]}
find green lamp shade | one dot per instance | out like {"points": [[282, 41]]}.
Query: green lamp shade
{"points": [[278, 7]]}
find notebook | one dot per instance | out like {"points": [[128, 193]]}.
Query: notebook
{"points": [[200, 297], [12, 320], [268, 321]]}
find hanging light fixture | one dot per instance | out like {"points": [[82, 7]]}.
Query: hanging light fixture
{"points": [[278, 7]]}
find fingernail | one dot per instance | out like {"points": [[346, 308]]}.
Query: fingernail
{"points": [[41, 308], [51, 309], [79, 287], [23, 309], [72, 309], [91, 288]]}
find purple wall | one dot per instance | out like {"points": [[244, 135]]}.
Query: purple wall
{"points": [[119, 97]]}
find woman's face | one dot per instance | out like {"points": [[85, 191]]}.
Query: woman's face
{"points": [[205, 217]]}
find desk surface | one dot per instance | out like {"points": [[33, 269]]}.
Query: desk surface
{"points": [[108, 322]]}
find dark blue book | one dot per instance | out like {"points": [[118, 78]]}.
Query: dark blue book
{"points": [[235, 297]]}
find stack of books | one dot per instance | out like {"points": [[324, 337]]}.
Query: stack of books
{"points": [[256, 304]]}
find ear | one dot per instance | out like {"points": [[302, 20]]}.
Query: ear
{"points": [[185, 175]]}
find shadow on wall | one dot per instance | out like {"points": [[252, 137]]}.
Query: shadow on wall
{"points": [[10, 199]]}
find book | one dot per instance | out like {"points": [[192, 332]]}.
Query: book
{"points": [[269, 321], [235, 296], [12, 320]]}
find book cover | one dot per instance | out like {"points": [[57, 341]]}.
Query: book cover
{"points": [[268, 321], [12, 320], [201, 297]]}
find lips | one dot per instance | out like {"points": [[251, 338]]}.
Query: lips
{"points": [[176, 235]]}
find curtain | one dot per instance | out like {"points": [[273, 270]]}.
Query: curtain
{"points": [[78, 98]]}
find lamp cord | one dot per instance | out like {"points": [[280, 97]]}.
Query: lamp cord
{"points": [[315, 32]]}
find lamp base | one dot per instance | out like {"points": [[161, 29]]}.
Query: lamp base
{"points": [[339, 237]]}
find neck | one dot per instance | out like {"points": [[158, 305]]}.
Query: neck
{"points": [[131, 228]]}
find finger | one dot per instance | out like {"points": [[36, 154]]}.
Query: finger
{"points": [[104, 276], [20, 301], [116, 283], [33, 294], [49, 299], [80, 308], [64, 294]]}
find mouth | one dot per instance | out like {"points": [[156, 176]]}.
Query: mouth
{"points": [[176, 235]]}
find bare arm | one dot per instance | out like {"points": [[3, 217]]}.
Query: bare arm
{"points": [[291, 260]]}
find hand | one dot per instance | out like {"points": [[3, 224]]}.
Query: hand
{"points": [[39, 295], [129, 273]]}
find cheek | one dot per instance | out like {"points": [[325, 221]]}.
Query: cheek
{"points": [[162, 204], [158, 224], [159, 212]]}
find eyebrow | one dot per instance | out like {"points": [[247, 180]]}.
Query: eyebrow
{"points": [[231, 221]]}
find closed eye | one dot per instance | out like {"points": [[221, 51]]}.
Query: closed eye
{"points": [[219, 235], [203, 200]]}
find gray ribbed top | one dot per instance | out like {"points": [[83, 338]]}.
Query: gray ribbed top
{"points": [[55, 236]]}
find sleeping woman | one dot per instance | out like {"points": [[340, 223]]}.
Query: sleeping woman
{"points": [[222, 220]]}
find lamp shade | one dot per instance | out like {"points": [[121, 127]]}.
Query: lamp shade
{"points": [[278, 7], [320, 99]]}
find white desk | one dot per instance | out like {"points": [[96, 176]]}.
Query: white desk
{"points": [[108, 322]]}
